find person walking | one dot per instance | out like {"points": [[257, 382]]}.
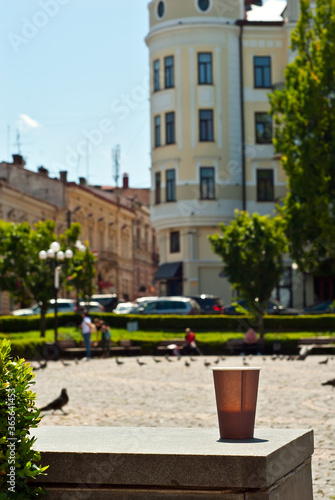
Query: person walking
{"points": [[86, 328]]}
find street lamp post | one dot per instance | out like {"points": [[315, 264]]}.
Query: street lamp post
{"points": [[56, 256]]}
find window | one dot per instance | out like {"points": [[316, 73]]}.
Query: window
{"points": [[262, 71], [138, 237], [157, 131], [146, 239], [157, 188], [161, 9], [205, 76], [174, 242], [263, 128], [170, 185], [207, 186], [203, 5], [111, 242], [169, 128], [206, 125], [169, 72], [265, 190], [156, 75]]}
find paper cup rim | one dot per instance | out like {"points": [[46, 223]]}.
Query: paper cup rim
{"points": [[235, 368]]}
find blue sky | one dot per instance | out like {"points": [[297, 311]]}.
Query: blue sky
{"points": [[75, 73]]}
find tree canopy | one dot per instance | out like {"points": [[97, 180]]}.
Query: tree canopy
{"points": [[252, 248], [304, 114], [27, 277]]}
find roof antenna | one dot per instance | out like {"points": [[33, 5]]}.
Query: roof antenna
{"points": [[116, 159], [18, 142]]}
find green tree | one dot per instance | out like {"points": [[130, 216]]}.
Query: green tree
{"points": [[252, 250], [304, 114], [27, 277]]}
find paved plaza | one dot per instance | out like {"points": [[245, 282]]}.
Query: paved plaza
{"points": [[162, 393]]}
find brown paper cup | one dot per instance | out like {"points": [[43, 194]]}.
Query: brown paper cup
{"points": [[236, 397]]}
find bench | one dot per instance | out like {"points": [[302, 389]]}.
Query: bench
{"points": [[70, 349], [162, 347], [309, 344], [235, 346], [129, 347]]}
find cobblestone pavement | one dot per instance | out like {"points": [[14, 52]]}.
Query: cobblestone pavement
{"points": [[171, 394]]}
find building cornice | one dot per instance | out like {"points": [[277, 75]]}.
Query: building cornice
{"points": [[190, 23], [86, 189]]}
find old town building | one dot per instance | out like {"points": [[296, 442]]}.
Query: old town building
{"points": [[115, 224]]}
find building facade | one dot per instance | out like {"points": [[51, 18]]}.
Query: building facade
{"points": [[211, 134], [126, 258]]}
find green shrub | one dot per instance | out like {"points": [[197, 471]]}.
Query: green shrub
{"points": [[18, 414], [169, 323]]}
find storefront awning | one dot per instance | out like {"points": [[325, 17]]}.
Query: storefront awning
{"points": [[169, 271]]}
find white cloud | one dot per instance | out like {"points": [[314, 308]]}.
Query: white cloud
{"points": [[270, 11], [26, 122]]}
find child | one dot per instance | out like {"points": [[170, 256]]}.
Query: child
{"points": [[106, 338]]}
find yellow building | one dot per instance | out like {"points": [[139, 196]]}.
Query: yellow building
{"points": [[211, 139], [115, 223]]}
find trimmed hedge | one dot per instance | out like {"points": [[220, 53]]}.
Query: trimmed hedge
{"points": [[16, 324], [169, 323]]}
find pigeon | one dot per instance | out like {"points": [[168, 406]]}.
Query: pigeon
{"points": [[58, 403], [157, 360], [187, 363], [167, 358], [329, 382], [245, 363], [192, 359], [324, 362], [141, 363], [217, 361], [207, 364], [118, 362], [76, 360], [64, 363]]}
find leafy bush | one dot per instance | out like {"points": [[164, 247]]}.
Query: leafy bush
{"points": [[18, 414], [169, 323]]}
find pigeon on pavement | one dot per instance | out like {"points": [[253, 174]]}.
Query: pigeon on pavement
{"points": [[329, 382], [58, 403], [324, 362]]}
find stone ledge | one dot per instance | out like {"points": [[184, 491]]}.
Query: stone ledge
{"points": [[171, 458]]}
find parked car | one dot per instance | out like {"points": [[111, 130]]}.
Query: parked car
{"points": [[141, 300], [91, 306], [274, 307], [63, 306], [209, 304], [126, 308], [324, 307], [108, 300], [170, 305]]}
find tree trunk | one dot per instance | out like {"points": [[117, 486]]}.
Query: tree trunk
{"points": [[261, 324], [43, 322]]}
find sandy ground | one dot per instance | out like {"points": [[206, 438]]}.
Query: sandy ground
{"points": [[171, 394]]}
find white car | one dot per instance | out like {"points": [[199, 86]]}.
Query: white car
{"points": [[126, 308], [63, 306]]}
